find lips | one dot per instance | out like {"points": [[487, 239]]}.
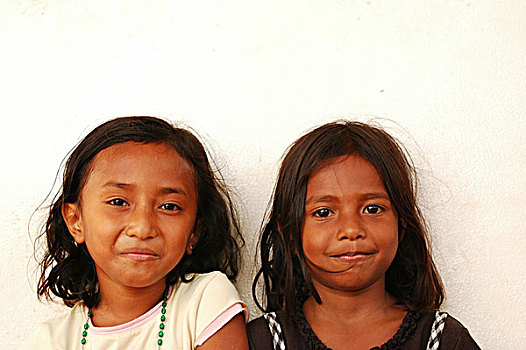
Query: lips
{"points": [[139, 254], [352, 256]]}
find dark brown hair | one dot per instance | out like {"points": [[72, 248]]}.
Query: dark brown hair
{"points": [[412, 277], [68, 271]]}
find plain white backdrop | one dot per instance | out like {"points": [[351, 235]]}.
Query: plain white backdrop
{"points": [[446, 77]]}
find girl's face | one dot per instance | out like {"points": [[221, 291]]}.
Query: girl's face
{"points": [[350, 227], [137, 214]]}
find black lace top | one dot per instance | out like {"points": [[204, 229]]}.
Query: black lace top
{"points": [[413, 333], [407, 328]]}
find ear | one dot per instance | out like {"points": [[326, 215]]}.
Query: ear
{"points": [[192, 241], [73, 220]]}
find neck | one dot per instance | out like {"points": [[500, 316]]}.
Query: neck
{"points": [[370, 303], [121, 304]]}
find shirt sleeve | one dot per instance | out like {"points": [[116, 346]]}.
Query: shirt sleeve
{"points": [[40, 339], [213, 297], [222, 320], [34, 341], [466, 342], [456, 336], [259, 337]]}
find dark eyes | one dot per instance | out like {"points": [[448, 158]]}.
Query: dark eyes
{"points": [[118, 202], [170, 207], [372, 209], [322, 213]]}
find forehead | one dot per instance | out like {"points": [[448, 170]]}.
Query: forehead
{"points": [[133, 162], [351, 172]]}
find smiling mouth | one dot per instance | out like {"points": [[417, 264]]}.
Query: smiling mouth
{"points": [[352, 257], [139, 256]]}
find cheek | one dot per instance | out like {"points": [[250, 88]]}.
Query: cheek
{"points": [[312, 242], [98, 253], [176, 242], [390, 245], [393, 250]]}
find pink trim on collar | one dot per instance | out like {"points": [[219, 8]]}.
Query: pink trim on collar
{"points": [[139, 321]]}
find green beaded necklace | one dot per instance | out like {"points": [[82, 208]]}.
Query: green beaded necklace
{"points": [[83, 341]]}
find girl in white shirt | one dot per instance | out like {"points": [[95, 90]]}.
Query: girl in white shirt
{"points": [[142, 240]]}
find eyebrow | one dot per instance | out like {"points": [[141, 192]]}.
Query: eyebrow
{"points": [[374, 195], [363, 197], [170, 190], [321, 199], [117, 184], [163, 189]]}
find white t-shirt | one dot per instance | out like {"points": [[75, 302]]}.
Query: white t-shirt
{"points": [[194, 312]]}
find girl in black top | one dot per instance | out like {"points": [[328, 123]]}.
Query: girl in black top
{"points": [[346, 262]]}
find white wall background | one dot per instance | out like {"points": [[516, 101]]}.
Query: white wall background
{"points": [[253, 76]]}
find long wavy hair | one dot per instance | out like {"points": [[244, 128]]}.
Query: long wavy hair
{"points": [[412, 278], [67, 269]]}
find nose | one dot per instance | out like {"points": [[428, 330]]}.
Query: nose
{"points": [[141, 223], [350, 226]]}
